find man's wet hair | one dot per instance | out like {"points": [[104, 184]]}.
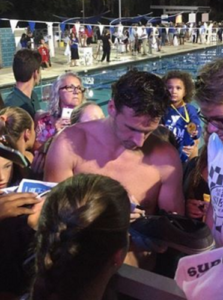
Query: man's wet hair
{"points": [[142, 91], [25, 63]]}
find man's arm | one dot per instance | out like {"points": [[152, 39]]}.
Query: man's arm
{"points": [[171, 193], [59, 163]]}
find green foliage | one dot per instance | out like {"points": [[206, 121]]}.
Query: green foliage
{"points": [[44, 10]]}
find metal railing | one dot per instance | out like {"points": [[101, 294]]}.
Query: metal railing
{"points": [[144, 285]]}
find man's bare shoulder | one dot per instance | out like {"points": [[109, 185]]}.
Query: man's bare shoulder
{"points": [[76, 135], [157, 149], [66, 150]]}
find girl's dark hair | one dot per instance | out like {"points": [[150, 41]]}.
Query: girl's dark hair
{"points": [[83, 222], [200, 166], [2, 104], [187, 80]]}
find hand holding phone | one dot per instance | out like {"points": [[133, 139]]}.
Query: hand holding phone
{"points": [[66, 113]]}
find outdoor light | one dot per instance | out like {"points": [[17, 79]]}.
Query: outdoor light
{"points": [[90, 93]]}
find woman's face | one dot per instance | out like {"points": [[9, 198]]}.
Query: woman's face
{"points": [[32, 137], [6, 169], [70, 92]]}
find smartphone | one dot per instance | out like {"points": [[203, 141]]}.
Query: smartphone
{"points": [[14, 155], [66, 113]]}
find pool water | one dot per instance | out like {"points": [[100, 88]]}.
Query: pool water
{"points": [[98, 82]]}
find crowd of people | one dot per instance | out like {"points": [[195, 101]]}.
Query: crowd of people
{"points": [[136, 39], [142, 158], [145, 39]]}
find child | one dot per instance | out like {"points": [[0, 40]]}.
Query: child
{"points": [[44, 51], [181, 117]]}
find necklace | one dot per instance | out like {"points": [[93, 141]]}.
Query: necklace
{"points": [[186, 118]]}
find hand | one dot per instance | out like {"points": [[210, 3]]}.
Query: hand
{"points": [[12, 205], [61, 123], [196, 208], [194, 133], [135, 212], [188, 150], [34, 218]]}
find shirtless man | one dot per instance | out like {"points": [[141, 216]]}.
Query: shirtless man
{"points": [[123, 146]]}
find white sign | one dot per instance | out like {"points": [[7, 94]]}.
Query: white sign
{"points": [[205, 17], [164, 19], [192, 18]]}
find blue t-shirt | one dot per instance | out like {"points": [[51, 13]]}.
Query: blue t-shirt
{"points": [[74, 43], [175, 121]]}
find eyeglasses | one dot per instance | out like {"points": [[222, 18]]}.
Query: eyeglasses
{"points": [[72, 88], [218, 123]]}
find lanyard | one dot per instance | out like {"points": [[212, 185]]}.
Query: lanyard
{"points": [[186, 118]]}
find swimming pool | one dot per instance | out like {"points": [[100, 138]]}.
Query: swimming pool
{"points": [[98, 82]]}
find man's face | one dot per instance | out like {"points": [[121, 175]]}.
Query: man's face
{"points": [[37, 77], [131, 130], [214, 116]]}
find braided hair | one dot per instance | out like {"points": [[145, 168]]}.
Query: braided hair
{"points": [[83, 222]]}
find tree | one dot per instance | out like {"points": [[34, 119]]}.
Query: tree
{"points": [[5, 6], [44, 10]]}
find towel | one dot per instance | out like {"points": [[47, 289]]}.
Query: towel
{"points": [[200, 275], [215, 182]]}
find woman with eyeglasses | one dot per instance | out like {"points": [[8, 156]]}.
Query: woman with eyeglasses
{"points": [[67, 93]]}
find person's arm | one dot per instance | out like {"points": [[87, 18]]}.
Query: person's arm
{"points": [[60, 158], [196, 208], [209, 217], [171, 196], [192, 151]]}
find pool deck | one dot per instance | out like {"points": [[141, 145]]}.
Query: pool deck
{"points": [[60, 64]]}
